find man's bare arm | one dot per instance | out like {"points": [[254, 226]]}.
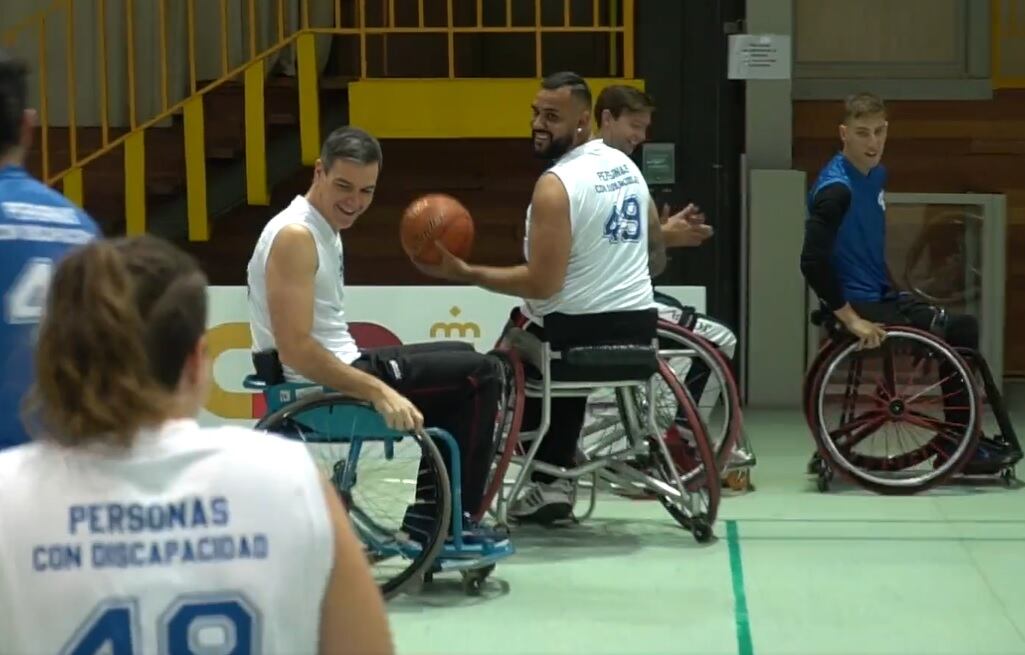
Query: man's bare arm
{"points": [[544, 275], [291, 267], [657, 259]]}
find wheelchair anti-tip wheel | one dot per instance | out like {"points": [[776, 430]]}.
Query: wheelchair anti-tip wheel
{"points": [[394, 486], [897, 419]]}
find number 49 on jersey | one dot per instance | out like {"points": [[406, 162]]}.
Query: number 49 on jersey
{"points": [[624, 224]]}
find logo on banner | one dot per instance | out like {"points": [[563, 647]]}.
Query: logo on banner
{"points": [[450, 330], [241, 405]]}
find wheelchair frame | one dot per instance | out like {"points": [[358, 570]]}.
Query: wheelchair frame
{"points": [[475, 563], [540, 354]]}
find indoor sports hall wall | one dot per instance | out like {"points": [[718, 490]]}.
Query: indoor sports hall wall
{"points": [[379, 314]]}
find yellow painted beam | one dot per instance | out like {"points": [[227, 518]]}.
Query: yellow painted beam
{"points": [[195, 171], [256, 137], [73, 189], [309, 100], [450, 109], [135, 184]]}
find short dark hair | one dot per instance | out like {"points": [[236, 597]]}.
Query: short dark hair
{"points": [[618, 98], [862, 104], [578, 87], [351, 143], [13, 96]]}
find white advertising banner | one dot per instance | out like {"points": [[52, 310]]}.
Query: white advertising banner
{"points": [[378, 316]]}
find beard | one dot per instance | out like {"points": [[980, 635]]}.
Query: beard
{"points": [[554, 148]]}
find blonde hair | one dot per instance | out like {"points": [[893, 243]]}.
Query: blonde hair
{"points": [[862, 104]]}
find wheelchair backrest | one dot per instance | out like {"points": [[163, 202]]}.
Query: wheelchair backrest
{"points": [[607, 328]]}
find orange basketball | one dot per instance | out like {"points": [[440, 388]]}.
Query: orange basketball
{"points": [[436, 217]]}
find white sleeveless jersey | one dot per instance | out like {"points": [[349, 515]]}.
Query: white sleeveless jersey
{"points": [[195, 541], [329, 326], [608, 259]]}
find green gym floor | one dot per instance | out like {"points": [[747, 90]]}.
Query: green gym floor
{"points": [[792, 571]]}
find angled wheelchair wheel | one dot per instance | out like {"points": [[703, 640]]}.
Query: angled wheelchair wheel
{"points": [[898, 419], [698, 508], [826, 351], [696, 364], [686, 481], [510, 417], [394, 486]]}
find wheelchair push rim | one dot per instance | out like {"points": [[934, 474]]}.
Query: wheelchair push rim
{"points": [[900, 406], [381, 544]]}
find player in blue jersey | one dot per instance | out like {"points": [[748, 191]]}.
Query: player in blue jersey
{"points": [[844, 257], [37, 227]]}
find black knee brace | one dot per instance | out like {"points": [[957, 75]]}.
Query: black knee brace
{"points": [[961, 330]]}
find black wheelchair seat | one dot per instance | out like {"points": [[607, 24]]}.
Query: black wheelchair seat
{"points": [[607, 347]]}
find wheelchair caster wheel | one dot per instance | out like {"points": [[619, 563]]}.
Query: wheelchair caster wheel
{"points": [[428, 577], [825, 477], [1007, 475], [701, 530], [473, 581], [739, 480]]}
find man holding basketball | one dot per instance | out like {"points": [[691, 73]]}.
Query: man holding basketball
{"points": [[591, 234], [300, 331]]}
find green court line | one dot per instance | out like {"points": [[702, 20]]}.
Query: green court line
{"points": [[760, 519], [885, 538], [740, 616]]}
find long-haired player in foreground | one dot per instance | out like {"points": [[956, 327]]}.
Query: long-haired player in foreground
{"points": [[126, 527]]}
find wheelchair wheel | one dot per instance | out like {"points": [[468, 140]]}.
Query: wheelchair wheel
{"points": [[395, 486], [698, 509], [898, 419], [697, 364], [510, 416], [671, 467]]}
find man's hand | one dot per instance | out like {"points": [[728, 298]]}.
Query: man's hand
{"points": [[686, 228], [869, 335], [682, 233], [691, 213], [451, 267], [398, 412]]}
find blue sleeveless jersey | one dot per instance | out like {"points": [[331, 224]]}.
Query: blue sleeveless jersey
{"points": [[859, 252], [38, 226]]}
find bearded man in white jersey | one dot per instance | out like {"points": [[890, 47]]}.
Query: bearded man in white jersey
{"points": [[592, 236], [300, 331]]}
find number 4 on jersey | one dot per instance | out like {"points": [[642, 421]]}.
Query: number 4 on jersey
{"points": [[25, 301], [624, 225]]}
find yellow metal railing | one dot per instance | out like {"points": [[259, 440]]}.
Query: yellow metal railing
{"points": [[131, 134], [1008, 43]]}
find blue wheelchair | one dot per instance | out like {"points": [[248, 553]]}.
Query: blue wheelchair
{"points": [[395, 486]]}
